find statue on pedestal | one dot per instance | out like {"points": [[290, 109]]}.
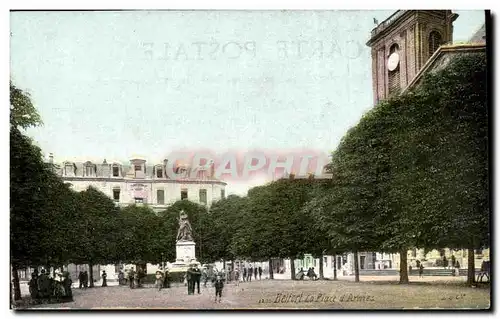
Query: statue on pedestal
{"points": [[185, 230]]}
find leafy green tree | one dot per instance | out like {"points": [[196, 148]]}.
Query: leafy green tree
{"points": [[97, 229], [34, 189], [456, 152], [414, 171], [220, 224], [255, 234], [141, 237], [275, 211], [324, 241], [23, 113]]}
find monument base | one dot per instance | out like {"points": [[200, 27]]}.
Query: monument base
{"points": [[185, 256]]}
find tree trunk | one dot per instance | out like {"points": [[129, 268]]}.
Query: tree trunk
{"points": [[471, 267], [334, 267], [271, 275], [356, 267], [91, 276], [17, 287], [292, 268], [321, 276], [224, 264], [403, 267]]}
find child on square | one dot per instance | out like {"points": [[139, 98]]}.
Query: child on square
{"points": [[219, 286]]}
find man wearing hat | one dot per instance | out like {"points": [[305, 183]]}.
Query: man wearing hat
{"points": [[196, 277]]}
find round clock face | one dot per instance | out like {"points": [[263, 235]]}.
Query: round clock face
{"points": [[393, 61]]}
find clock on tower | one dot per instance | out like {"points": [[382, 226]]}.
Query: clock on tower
{"points": [[402, 44]]}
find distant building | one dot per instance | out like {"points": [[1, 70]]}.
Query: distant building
{"points": [[142, 184]]}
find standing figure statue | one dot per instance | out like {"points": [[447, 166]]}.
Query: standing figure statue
{"points": [[185, 230]]}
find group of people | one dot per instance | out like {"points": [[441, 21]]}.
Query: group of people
{"points": [[134, 278], [248, 272], [83, 279], [310, 273], [193, 277], [42, 287], [420, 270]]}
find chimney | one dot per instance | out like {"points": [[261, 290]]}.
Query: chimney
{"points": [[165, 163], [212, 169]]}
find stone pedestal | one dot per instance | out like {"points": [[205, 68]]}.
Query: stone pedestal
{"points": [[185, 251], [185, 255]]}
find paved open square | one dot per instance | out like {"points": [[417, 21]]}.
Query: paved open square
{"points": [[287, 294]]}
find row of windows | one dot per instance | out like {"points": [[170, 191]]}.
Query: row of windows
{"points": [[160, 196], [91, 170]]}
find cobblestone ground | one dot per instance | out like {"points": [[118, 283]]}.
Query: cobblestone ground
{"points": [[286, 294]]}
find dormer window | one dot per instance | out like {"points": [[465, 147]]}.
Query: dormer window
{"points": [[159, 171], [116, 170], [90, 169], [139, 168], [69, 169]]}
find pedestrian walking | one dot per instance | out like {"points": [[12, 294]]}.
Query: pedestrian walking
{"points": [[33, 286], [190, 280], [237, 276], [166, 279], [421, 271], [250, 273], [457, 267], [85, 279], [104, 276], [196, 278], [244, 274], [255, 271], [219, 286], [204, 277], [43, 283], [260, 273], [159, 280], [80, 280], [131, 276], [121, 278]]}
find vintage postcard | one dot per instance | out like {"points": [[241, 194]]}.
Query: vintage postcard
{"points": [[250, 159]]}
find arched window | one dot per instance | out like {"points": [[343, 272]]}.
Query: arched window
{"points": [[394, 75], [435, 41]]}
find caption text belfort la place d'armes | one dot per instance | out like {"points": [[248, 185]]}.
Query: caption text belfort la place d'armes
{"points": [[312, 298]]}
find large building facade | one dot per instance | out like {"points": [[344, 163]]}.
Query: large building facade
{"points": [[137, 182]]}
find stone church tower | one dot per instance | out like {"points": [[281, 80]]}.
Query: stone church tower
{"points": [[403, 43]]}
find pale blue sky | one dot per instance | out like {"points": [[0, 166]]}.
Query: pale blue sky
{"points": [[104, 88]]}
